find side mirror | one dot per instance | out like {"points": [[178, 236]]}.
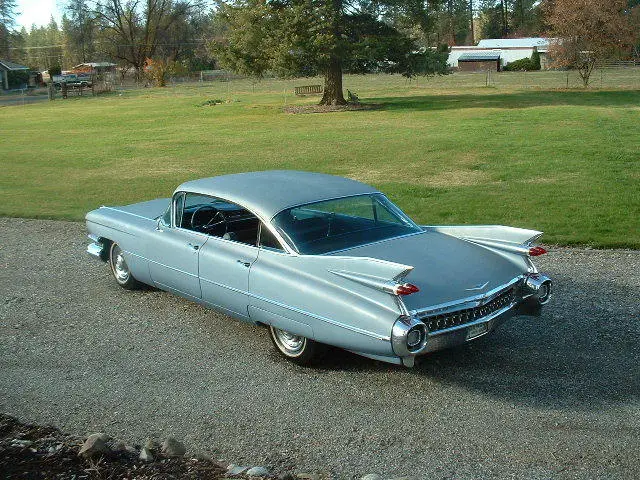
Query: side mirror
{"points": [[159, 225]]}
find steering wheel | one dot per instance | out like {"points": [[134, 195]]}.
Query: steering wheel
{"points": [[217, 219]]}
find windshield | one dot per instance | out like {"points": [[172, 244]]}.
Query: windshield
{"points": [[323, 227]]}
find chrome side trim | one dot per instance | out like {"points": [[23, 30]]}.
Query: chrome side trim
{"points": [[466, 302], [162, 265], [273, 302], [488, 318]]}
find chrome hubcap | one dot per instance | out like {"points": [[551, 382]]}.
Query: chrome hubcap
{"points": [[120, 269], [290, 344]]}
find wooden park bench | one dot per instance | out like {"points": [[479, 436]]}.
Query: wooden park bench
{"points": [[309, 90]]}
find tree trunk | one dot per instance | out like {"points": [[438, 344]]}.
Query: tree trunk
{"points": [[333, 84]]}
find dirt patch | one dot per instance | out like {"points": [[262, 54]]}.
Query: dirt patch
{"points": [[34, 452], [293, 109]]}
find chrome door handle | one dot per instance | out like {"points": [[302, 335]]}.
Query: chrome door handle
{"points": [[194, 247], [246, 264]]}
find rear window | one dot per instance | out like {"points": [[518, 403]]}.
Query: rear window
{"points": [[331, 225]]}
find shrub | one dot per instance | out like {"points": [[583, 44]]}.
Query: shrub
{"points": [[17, 78], [524, 64]]}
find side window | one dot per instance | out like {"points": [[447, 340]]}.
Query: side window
{"points": [[219, 218], [268, 240]]}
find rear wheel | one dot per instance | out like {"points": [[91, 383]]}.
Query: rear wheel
{"points": [[120, 269], [296, 348]]}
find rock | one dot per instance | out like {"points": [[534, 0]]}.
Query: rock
{"points": [[21, 443], [151, 445], [94, 445], [287, 476], [130, 449], [202, 457], [146, 455], [236, 469], [173, 448], [119, 446], [258, 472], [372, 476]]}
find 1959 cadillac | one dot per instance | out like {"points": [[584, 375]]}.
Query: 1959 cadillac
{"points": [[323, 260]]}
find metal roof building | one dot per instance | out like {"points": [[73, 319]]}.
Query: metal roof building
{"points": [[509, 49], [541, 43]]}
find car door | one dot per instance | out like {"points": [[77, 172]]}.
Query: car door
{"points": [[224, 274], [173, 256]]}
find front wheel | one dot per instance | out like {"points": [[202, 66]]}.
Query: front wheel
{"points": [[120, 269], [296, 348]]}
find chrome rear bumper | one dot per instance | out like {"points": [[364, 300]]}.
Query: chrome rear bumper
{"points": [[458, 335], [459, 323]]}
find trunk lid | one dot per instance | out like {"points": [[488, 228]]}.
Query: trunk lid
{"points": [[446, 268]]}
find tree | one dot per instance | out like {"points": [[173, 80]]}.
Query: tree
{"points": [[588, 31], [535, 59], [135, 29], [79, 31], [7, 23], [309, 37]]}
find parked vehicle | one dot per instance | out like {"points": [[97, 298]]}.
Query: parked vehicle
{"points": [[72, 80], [323, 260]]}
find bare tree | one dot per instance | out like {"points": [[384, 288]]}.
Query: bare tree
{"points": [[588, 31], [135, 28]]}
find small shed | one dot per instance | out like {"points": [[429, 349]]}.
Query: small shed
{"points": [[479, 62], [6, 67]]}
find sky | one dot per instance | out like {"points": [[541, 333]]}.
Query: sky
{"points": [[36, 11]]}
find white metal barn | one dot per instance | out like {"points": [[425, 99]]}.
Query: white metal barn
{"points": [[509, 49]]}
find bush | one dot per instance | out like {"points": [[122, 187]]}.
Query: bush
{"points": [[17, 78], [524, 64]]}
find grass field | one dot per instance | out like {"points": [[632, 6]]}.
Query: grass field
{"points": [[447, 150]]}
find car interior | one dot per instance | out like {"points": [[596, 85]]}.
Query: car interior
{"points": [[220, 218], [342, 223]]}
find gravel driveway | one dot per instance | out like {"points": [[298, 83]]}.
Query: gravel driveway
{"points": [[556, 396]]}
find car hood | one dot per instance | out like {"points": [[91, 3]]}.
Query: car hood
{"points": [[150, 209], [445, 269]]}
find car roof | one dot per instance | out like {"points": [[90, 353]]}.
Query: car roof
{"points": [[267, 193]]}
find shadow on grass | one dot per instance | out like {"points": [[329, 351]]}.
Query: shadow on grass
{"points": [[616, 98], [576, 355]]}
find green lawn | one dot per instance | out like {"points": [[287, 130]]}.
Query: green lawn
{"points": [[447, 151]]}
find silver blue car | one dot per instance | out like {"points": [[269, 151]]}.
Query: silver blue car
{"points": [[323, 261]]}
